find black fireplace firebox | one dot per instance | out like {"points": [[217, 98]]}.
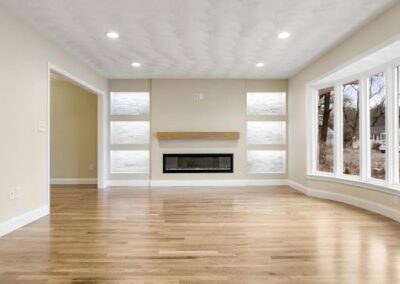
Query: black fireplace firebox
{"points": [[198, 163]]}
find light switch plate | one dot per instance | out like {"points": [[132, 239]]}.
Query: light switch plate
{"points": [[42, 126], [198, 96]]}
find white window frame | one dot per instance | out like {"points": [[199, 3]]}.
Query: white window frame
{"points": [[391, 183], [314, 132]]}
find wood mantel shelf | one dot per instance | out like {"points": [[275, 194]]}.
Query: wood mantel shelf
{"points": [[198, 135]]}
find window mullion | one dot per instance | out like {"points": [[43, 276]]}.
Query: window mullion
{"points": [[396, 125], [338, 133], [391, 126], [364, 130], [312, 113], [316, 133]]}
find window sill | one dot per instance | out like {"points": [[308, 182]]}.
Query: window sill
{"points": [[372, 185]]}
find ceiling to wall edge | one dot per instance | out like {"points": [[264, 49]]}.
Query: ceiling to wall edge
{"points": [[346, 37], [372, 58]]}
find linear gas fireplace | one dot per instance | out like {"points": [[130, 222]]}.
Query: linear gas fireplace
{"points": [[198, 163]]}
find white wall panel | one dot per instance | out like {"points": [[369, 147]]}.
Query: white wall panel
{"points": [[266, 132], [130, 103], [266, 161], [266, 103], [129, 162], [129, 132]]}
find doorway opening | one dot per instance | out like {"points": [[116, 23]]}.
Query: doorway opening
{"points": [[77, 132], [73, 132]]}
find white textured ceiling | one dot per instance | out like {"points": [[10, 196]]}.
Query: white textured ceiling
{"points": [[197, 38]]}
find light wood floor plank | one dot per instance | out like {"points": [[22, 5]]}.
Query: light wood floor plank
{"points": [[201, 235]]}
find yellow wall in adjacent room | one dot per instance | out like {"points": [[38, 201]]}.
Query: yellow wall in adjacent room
{"points": [[73, 132]]}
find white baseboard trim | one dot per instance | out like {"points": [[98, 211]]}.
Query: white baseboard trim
{"points": [[190, 182], [351, 200], [73, 181], [218, 182], [22, 220], [121, 183]]}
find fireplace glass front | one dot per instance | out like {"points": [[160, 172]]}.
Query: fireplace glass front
{"points": [[198, 163]]}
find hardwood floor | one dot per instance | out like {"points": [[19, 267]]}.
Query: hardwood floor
{"points": [[200, 235]]}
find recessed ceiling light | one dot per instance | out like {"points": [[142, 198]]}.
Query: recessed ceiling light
{"points": [[112, 35], [136, 64], [284, 35], [260, 64]]}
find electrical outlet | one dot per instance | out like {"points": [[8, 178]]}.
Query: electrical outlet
{"points": [[91, 167], [12, 194]]}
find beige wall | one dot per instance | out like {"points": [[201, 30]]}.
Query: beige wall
{"points": [[24, 57], [223, 109], [382, 29], [129, 85], [174, 109], [73, 133]]}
